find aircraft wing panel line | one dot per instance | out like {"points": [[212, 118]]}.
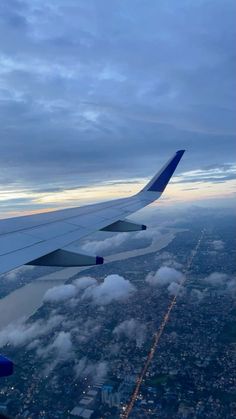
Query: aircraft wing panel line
{"points": [[41, 248], [12, 242], [17, 224]]}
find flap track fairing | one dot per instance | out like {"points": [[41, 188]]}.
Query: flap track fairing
{"points": [[124, 226], [64, 258]]}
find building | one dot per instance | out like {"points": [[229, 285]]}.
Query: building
{"points": [[109, 396]]}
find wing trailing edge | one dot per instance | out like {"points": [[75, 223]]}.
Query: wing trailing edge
{"points": [[43, 239]]}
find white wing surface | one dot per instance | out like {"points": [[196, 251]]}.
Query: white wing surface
{"points": [[42, 239]]}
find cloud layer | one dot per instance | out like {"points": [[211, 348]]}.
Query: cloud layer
{"points": [[87, 95], [21, 333], [218, 244], [60, 293], [167, 277], [131, 329], [113, 288], [85, 368], [164, 276]]}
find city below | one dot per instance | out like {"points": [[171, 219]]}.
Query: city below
{"points": [[150, 336]]}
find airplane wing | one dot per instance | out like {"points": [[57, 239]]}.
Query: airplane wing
{"points": [[43, 239]]}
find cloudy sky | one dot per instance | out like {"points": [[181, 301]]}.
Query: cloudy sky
{"points": [[96, 95]]}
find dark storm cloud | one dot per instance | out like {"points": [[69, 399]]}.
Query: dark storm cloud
{"points": [[96, 90]]}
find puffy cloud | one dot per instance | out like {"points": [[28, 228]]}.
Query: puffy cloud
{"points": [[197, 295], [164, 256], [216, 278], [113, 288], [97, 247], [231, 286], [60, 350], [60, 293], [85, 368], [175, 289], [108, 245], [151, 233], [132, 329], [61, 347], [169, 260], [34, 344], [218, 244], [173, 264], [225, 282], [66, 292], [87, 329], [16, 274], [164, 276], [167, 277], [101, 370], [20, 333], [85, 282]]}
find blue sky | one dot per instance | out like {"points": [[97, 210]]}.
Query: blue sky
{"points": [[96, 95]]}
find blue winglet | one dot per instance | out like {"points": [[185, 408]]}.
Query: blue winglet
{"points": [[6, 366], [160, 181]]}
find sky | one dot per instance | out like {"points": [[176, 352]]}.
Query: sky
{"points": [[96, 95]]}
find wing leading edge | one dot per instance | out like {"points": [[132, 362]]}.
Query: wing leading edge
{"points": [[43, 239]]}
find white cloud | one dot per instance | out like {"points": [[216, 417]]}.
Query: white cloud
{"points": [[231, 286], [114, 242], [218, 244], [62, 345], [132, 329], [34, 344], [60, 350], [223, 281], [82, 368], [216, 278], [164, 276], [197, 295], [164, 256], [113, 288], [150, 233], [19, 334], [101, 370], [169, 260], [66, 292], [60, 293], [85, 368], [18, 273], [99, 247], [86, 330], [85, 282], [174, 289]]}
